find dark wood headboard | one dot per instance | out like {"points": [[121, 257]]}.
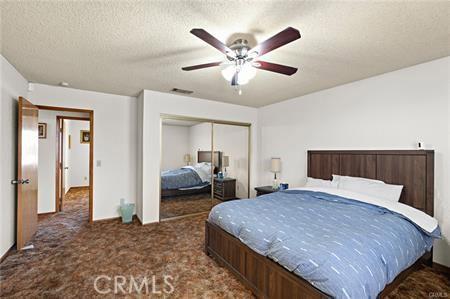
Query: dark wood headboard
{"points": [[205, 156], [414, 169]]}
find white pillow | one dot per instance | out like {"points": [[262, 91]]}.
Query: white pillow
{"points": [[374, 188], [312, 182], [337, 178]]}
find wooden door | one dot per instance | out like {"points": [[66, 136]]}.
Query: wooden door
{"points": [[27, 171]]}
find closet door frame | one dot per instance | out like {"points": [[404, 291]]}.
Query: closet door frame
{"points": [[212, 121]]}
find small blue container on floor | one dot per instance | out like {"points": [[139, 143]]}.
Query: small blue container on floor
{"points": [[126, 210]]}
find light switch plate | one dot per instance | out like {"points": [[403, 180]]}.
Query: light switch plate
{"points": [[99, 163]]}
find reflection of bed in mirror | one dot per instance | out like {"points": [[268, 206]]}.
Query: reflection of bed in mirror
{"points": [[188, 180]]}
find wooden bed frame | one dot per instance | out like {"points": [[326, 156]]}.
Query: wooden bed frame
{"points": [[414, 169], [202, 156]]}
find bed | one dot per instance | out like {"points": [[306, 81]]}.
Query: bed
{"points": [[188, 181], [275, 265]]}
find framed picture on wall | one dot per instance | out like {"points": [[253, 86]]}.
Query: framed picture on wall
{"points": [[42, 130], [85, 136]]}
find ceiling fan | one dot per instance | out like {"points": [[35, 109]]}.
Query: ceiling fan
{"points": [[242, 60]]}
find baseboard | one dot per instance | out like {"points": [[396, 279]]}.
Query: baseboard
{"points": [[441, 268], [106, 219], [46, 213], [7, 253]]}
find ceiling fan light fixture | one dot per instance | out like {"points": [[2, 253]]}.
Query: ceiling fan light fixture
{"points": [[245, 73], [242, 57], [252, 55], [228, 72]]}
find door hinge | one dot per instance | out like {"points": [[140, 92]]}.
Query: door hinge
{"points": [[20, 182]]}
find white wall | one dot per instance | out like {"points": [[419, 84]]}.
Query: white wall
{"points": [[156, 103], [175, 144], [47, 160], [12, 85], [115, 139], [391, 111], [199, 139], [77, 156]]}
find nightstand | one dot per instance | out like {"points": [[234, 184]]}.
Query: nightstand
{"points": [[225, 189], [264, 190]]}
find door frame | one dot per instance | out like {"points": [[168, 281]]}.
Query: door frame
{"points": [[91, 154], [60, 154]]}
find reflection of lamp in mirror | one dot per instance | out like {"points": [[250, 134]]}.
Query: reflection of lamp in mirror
{"points": [[225, 164], [187, 159], [275, 167]]}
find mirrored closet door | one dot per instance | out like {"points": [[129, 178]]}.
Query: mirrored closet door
{"points": [[203, 163], [232, 182], [186, 167]]}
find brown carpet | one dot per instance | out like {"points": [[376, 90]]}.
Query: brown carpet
{"points": [[70, 253], [186, 205]]}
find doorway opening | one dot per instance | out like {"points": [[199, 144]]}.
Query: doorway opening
{"points": [[72, 159], [66, 160]]}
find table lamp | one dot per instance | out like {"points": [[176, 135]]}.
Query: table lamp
{"points": [[275, 167], [187, 159], [225, 164]]}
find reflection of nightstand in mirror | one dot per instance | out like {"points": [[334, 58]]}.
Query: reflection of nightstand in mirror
{"points": [[264, 190], [225, 189]]}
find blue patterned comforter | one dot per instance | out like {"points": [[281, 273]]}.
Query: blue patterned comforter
{"points": [[179, 178], [346, 248]]}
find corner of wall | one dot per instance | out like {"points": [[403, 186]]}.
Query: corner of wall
{"points": [[139, 156]]}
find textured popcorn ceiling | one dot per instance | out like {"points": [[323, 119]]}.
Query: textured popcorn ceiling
{"points": [[124, 47]]}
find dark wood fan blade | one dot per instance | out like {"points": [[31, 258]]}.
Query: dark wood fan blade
{"points": [[274, 67], [205, 36], [201, 66], [280, 39]]}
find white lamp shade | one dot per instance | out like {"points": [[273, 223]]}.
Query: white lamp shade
{"points": [[226, 161], [275, 165], [187, 158], [246, 73]]}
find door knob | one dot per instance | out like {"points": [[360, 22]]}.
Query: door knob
{"points": [[21, 181], [66, 167]]}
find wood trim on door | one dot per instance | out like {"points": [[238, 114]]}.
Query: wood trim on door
{"points": [[91, 149]]}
